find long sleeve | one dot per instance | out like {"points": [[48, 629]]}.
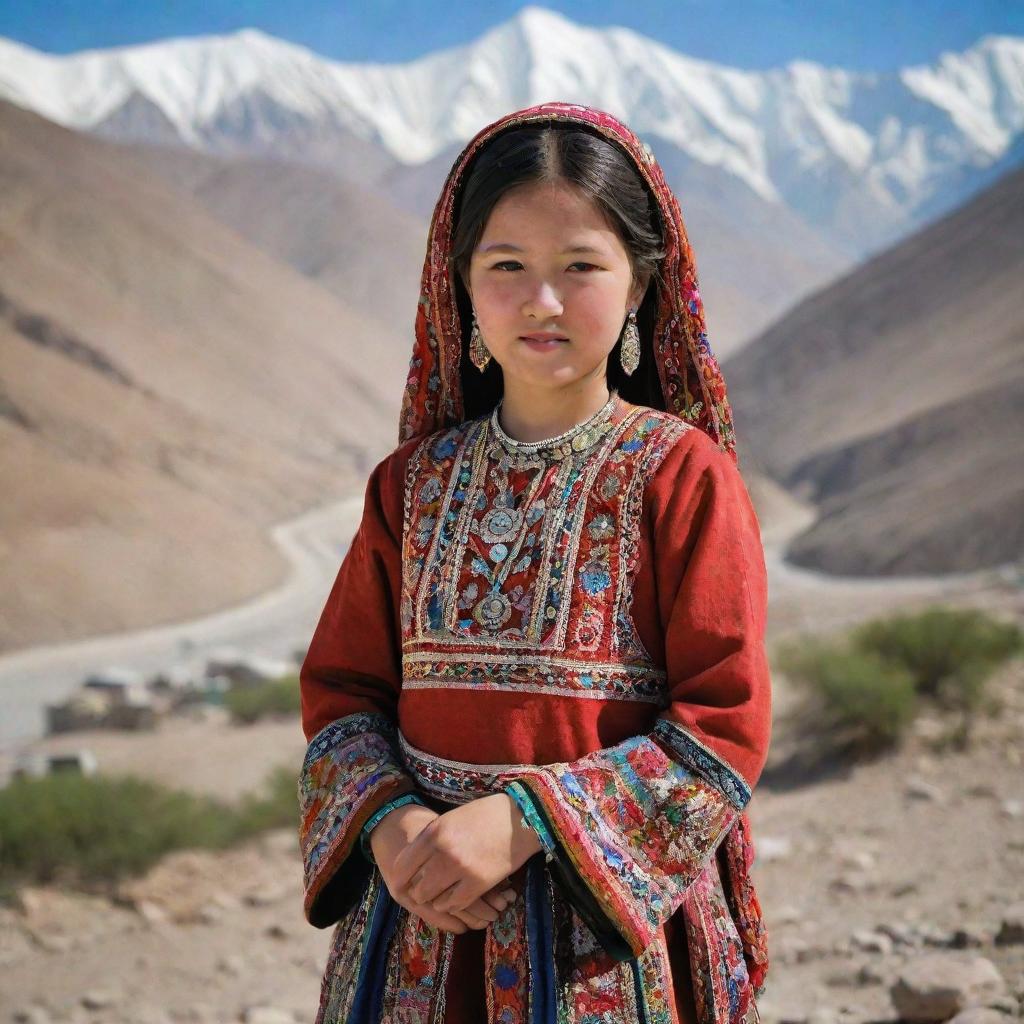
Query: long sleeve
{"points": [[636, 823], [350, 682]]}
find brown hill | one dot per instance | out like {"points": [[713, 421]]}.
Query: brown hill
{"points": [[362, 249], [895, 399], [168, 391]]}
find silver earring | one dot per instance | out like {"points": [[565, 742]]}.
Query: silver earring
{"points": [[629, 353], [478, 353]]}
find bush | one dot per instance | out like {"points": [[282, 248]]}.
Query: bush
{"points": [[870, 684], [277, 808], [867, 701], [949, 652], [248, 704], [90, 830]]}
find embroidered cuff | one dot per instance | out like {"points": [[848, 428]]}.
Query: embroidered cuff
{"points": [[531, 819], [378, 815]]}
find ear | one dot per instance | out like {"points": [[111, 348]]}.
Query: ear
{"points": [[638, 291]]}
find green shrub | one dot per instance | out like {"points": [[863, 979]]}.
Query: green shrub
{"points": [[865, 700], [248, 704], [949, 652], [277, 808], [87, 831]]}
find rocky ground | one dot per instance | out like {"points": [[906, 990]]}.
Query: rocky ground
{"points": [[905, 867], [911, 865]]}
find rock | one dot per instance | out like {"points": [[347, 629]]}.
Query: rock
{"points": [[787, 915], [823, 1015], [208, 914], [232, 964], [281, 841], [1011, 928], [32, 1015], [148, 1015], [933, 935], [790, 947], [268, 895], [49, 941], [979, 1015], [852, 855], [869, 974], [970, 935], [311, 965], [773, 848], [985, 789], [931, 730], [842, 978], [197, 1013], [267, 1015], [921, 789], [1004, 1004], [902, 934], [904, 889], [871, 942], [852, 882], [150, 911], [932, 988], [98, 999]]}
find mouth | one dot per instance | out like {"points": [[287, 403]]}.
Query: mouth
{"points": [[543, 340]]}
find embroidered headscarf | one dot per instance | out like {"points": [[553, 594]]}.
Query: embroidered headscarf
{"points": [[692, 385]]}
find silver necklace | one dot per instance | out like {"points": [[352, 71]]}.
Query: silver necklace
{"points": [[576, 438]]}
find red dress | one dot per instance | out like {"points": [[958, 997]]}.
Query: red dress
{"points": [[591, 612]]}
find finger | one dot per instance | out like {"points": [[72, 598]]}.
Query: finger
{"points": [[471, 919], [409, 860], [432, 891], [485, 911], [437, 919], [496, 900]]}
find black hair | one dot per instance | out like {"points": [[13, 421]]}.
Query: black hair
{"points": [[603, 171]]}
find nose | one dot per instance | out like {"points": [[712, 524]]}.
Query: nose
{"points": [[542, 302]]}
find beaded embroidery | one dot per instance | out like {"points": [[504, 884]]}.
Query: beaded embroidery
{"points": [[518, 557]]}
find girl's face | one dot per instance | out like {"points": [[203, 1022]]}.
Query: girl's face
{"points": [[549, 262]]}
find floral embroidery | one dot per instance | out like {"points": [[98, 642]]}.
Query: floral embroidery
{"points": [[350, 768], [643, 832], [529, 548]]}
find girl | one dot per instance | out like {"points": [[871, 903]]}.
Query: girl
{"points": [[537, 699]]}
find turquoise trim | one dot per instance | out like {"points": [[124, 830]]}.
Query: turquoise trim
{"points": [[520, 796], [378, 815]]}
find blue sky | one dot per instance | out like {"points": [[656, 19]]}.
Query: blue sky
{"points": [[865, 35]]}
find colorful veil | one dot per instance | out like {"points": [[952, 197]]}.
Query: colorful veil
{"points": [[692, 385]]}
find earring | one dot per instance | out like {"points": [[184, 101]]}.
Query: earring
{"points": [[478, 354], [629, 353]]}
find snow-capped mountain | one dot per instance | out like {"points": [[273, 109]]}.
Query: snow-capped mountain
{"points": [[856, 154]]}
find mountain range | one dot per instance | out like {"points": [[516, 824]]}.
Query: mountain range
{"points": [[862, 158]]}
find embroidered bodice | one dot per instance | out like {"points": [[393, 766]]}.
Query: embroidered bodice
{"points": [[518, 557]]}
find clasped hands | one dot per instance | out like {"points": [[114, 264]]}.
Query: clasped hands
{"points": [[452, 869]]}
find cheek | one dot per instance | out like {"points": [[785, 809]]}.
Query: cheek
{"points": [[494, 297], [599, 313]]}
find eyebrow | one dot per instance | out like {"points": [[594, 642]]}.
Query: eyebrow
{"points": [[508, 247]]}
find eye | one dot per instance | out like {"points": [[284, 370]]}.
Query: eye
{"points": [[515, 264]]}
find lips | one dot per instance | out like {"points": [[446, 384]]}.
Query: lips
{"points": [[543, 336]]}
